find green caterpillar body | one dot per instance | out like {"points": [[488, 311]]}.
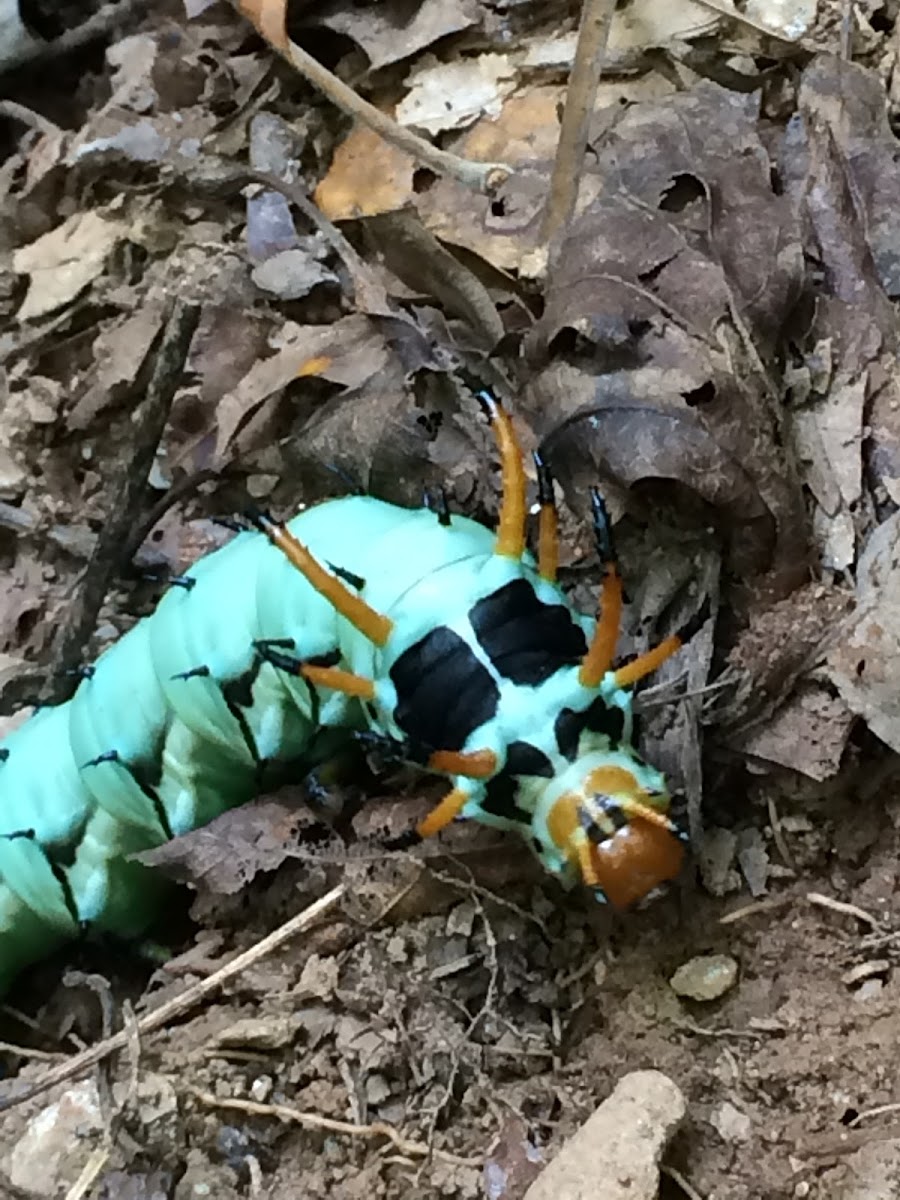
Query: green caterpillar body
{"points": [[182, 718]]}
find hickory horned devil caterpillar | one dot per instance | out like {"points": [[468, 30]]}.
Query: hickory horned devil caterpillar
{"points": [[452, 642]]}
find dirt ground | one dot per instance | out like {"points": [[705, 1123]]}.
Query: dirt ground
{"points": [[480, 1023], [713, 333]]}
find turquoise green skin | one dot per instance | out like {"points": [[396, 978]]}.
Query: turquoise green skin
{"points": [[68, 823]]}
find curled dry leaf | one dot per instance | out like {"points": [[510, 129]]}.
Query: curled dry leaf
{"points": [[807, 734], [347, 352], [224, 856], [840, 164], [391, 30], [863, 663], [664, 308]]}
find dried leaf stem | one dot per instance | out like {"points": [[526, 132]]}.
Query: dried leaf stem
{"points": [[269, 18], [150, 420], [593, 34], [312, 1120]]}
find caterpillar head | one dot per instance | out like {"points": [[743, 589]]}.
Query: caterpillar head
{"points": [[604, 821]]}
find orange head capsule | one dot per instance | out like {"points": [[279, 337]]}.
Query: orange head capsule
{"points": [[604, 822]]}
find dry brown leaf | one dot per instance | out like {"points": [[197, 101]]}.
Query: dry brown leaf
{"points": [[658, 340], [392, 30], [863, 663], [452, 95], [118, 353], [367, 176], [506, 229], [347, 352], [292, 274], [808, 734], [65, 261], [227, 854], [840, 170]]}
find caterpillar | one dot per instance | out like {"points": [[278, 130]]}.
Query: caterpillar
{"points": [[450, 641]]}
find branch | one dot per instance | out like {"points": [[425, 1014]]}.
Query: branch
{"points": [[269, 16]]}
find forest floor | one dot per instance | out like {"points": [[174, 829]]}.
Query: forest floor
{"points": [[714, 335]]}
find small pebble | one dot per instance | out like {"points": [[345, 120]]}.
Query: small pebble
{"points": [[706, 977], [730, 1123], [261, 1088]]}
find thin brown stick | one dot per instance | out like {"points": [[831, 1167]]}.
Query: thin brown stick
{"points": [[840, 906], [269, 18], [593, 34], [27, 1052], [107, 557], [88, 1177], [78, 1064], [179, 491], [106, 19], [27, 116], [369, 291], [311, 1120]]}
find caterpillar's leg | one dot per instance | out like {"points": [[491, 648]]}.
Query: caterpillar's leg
{"points": [[510, 541], [442, 814], [320, 673], [548, 522], [439, 818], [371, 624], [646, 664], [183, 581], [474, 764], [438, 505], [599, 657]]}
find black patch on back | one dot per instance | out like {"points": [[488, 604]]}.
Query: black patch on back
{"points": [[443, 692], [500, 792], [599, 717], [525, 639], [567, 729]]}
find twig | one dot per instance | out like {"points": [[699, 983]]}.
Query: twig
{"points": [[269, 18], [311, 1120], [777, 832], [676, 1176], [27, 116], [89, 1173], [78, 1064], [840, 906], [725, 1032], [27, 1052], [107, 557], [185, 486], [103, 21], [369, 291], [593, 34], [879, 1111]]}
